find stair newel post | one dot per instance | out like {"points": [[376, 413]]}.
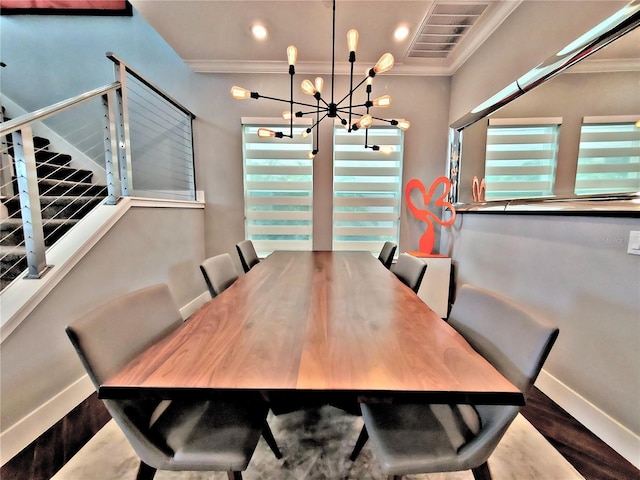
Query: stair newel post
{"points": [[124, 138], [27, 178], [110, 162]]}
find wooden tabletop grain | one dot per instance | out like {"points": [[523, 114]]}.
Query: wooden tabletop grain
{"points": [[328, 321]]}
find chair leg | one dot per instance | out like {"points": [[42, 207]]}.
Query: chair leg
{"points": [[362, 439], [482, 472], [234, 475], [268, 436], [394, 477], [145, 472]]}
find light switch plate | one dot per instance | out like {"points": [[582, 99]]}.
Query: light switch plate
{"points": [[634, 242]]}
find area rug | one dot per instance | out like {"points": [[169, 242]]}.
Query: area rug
{"points": [[316, 444]]}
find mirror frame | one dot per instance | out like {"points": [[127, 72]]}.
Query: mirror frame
{"points": [[626, 204]]}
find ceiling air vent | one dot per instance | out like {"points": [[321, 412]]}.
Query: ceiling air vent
{"points": [[444, 27]]}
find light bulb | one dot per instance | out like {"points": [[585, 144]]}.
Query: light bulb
{"points": [[286, 115], [383, 101], [319, 84], [305, 133], [259, 31], [266, 133], [365, 122], [386, 149], [292, 54], [385, 63], [352, 40], [240, 93], [404, 124], [369, 79], [307, 87], [310, 155]]}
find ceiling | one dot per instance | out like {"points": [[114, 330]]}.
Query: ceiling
{"points": [[215, 35]]}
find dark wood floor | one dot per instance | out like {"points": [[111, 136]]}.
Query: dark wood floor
{"points": [[593, 458], [586, 452]]}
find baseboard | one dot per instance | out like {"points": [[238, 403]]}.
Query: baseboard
{"points": [[190, 308], [29, 428], [610, 431]]}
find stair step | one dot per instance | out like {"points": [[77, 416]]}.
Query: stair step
{"points": [[54, 158], [12, 234], [13, 261], [59, 188], [52, 171], [58, 207]]}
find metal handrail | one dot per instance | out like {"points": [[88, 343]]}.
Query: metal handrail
{"points": [[17, 123], [114, 58]]}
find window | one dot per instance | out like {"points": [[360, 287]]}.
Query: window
{"points": [[278, 189], [366, 189], [521, 158], [609, 157]]}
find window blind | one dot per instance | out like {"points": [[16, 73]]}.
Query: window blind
{"points": [[520, 160], [609, 158], [366, 189], [278, 190]]}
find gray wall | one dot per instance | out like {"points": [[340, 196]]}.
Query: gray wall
{"points": [[572, 270]]}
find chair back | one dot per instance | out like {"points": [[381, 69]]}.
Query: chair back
{"points": [[219, 273], [109, 337], [510, 338], [387, 253], [410, 270], [248, 256]]}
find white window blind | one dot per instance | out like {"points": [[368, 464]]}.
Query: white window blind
{"points": [[366, 189], [609, 158], [278, 189], [520, 159]]}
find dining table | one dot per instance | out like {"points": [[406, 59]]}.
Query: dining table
{"points": [[316, 321]]}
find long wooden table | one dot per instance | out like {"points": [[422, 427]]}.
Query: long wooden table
{"points": [[316, 321]]}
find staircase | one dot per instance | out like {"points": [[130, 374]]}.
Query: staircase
{"points": [[66, 195]]}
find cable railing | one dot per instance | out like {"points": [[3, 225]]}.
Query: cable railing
{"points": [[127, 138]]}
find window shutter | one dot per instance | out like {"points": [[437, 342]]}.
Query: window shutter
{"points": [[609, 158], [366, 188], [520, 160], [278, 189]]}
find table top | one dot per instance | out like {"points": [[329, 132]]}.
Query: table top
{"points": [[329, 321]]}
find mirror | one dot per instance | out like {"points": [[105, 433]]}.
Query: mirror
{"points": [[584, 93]]}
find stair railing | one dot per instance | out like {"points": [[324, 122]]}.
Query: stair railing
{"points": [[135, 146]]}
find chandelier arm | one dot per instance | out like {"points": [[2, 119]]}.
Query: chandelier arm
{"points": [[291, 106], [352, 90], [333, 51], [288, 101]]}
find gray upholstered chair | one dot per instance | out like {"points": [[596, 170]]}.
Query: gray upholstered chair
{"points": [[410, 270], [219, 434], [219, 273], [248, 256], [387, 253], [419, 438]]}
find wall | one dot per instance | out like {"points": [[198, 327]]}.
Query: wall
{"points": [[572, 270]]}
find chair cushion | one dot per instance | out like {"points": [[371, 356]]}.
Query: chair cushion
{"points": [[461, 423], [219, 434]]}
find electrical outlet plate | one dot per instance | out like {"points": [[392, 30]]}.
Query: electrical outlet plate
{"points": [[634, 243]]}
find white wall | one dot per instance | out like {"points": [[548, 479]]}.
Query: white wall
{"points": [[572, 270]]}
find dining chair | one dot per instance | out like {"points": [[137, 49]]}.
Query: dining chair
{"points": [[218, 434], [219, 273], [421, 438], [409, 270], [387, 253], [247, 253]]}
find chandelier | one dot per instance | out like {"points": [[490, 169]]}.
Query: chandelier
{"points": [[343, 109]]}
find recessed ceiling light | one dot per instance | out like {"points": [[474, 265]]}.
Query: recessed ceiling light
{"points": [[259, 31], [401, 32]]}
